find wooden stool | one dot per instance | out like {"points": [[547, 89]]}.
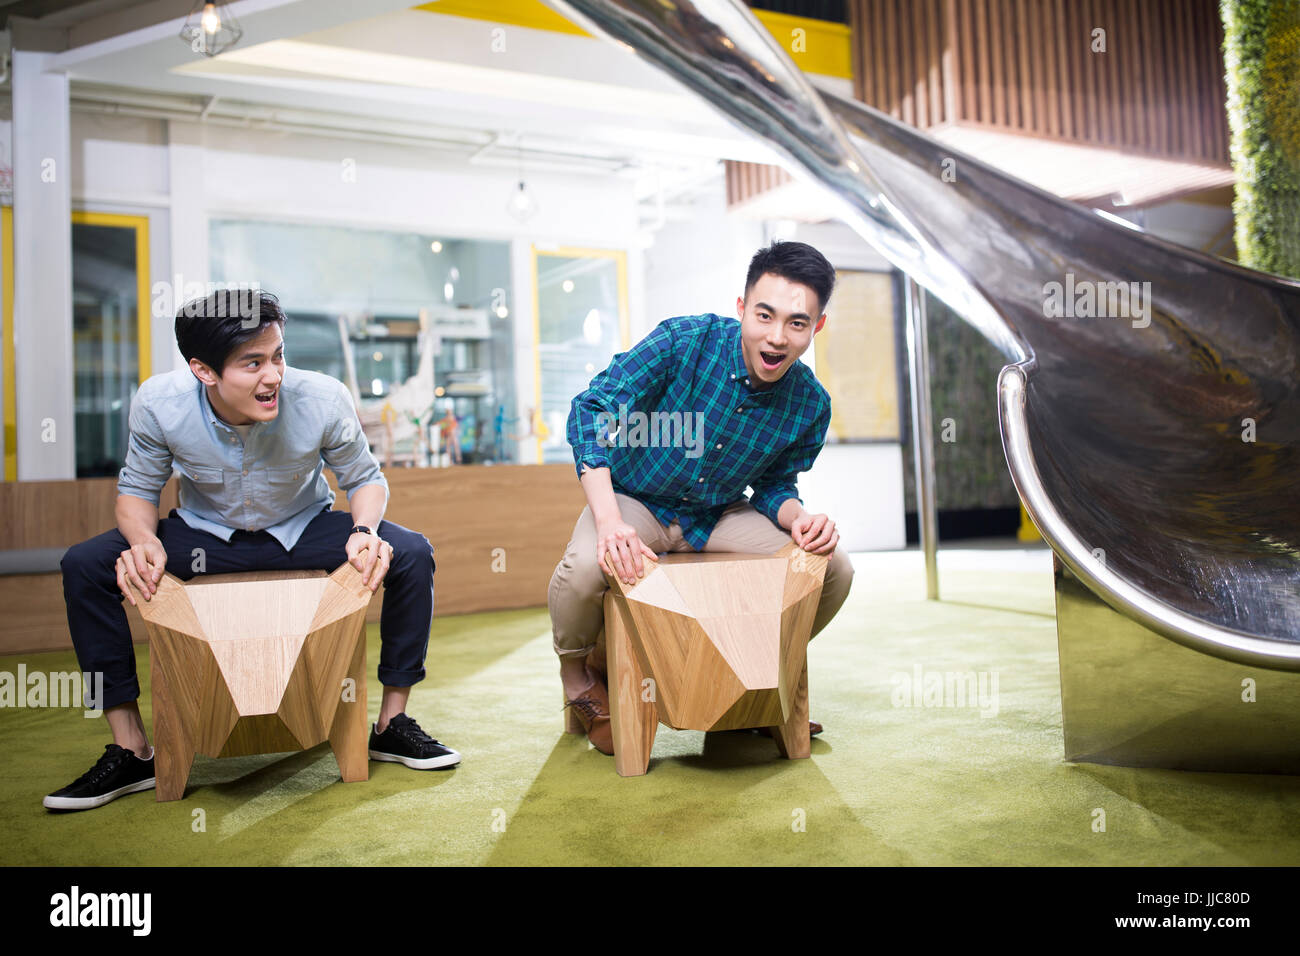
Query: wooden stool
{"points": [[711, 642], [256, 663]]}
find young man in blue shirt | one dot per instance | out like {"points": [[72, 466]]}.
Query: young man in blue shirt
{"points": [[747, 413], [250, 437]]}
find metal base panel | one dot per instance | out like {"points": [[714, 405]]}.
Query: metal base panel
{"points": [[1132, 698]]}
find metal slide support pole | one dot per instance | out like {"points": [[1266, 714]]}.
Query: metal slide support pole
{"points": [[927, 515]]}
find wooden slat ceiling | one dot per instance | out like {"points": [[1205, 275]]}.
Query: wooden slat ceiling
{"points": [[1028, 66], [1017, 84]]}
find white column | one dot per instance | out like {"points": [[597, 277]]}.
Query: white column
{"points": [[42, 271], [189, 229], [522, 313]]}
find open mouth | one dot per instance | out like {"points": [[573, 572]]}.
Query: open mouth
{"points": [[268, 399], [771, 360]]}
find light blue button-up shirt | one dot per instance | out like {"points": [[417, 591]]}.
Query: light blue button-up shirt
{"points": [[273, 481]]}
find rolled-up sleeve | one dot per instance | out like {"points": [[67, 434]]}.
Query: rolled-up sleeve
{"points": [[345, 449], [779, 483], [148, 458], [630, 377]]}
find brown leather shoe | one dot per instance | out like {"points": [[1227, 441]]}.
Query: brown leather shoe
{"points": [[592, 711], [814, 729]]}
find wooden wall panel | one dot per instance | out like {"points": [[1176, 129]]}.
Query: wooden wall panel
{"points": [[1027, 66], [56, 514], [526, 511]]}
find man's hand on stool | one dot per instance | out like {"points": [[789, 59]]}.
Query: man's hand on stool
{"points": [[378, 557], [143, 566], [815, 533], [620, 551]]}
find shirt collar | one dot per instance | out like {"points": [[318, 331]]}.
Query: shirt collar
{"points": [[208, 410]]}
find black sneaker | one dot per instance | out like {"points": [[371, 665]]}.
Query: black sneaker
{"points": [[404, 742], [115, 774]]}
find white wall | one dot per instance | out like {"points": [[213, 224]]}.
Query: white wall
{"points": [[698, 266]]}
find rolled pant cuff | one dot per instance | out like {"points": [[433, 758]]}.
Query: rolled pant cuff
{"points": [[574, 651], [121, 694], [394, 678]]}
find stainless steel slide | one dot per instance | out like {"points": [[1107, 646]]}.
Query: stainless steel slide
{"points": [[1151, 410]]}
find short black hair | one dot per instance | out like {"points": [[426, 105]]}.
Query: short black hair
{"points": [[796, 261], [211, 329]]}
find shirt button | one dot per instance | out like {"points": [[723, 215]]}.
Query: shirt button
{"points": [[246, 470], [733, 376], [746, 381], [741, 408], [686, 497], [718, 446], [701, 480]]}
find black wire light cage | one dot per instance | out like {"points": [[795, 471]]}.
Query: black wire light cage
{"points": [[211, 28]]}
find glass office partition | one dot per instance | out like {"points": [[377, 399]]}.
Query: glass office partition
{"points": [[110, 337], [581, 324], [419, 326]]}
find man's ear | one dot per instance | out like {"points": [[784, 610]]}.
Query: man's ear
{"points": [[820, 323], [740, 306], [203, 372]]}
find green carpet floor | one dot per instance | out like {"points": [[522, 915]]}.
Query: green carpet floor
{"points": [[886, 784]]}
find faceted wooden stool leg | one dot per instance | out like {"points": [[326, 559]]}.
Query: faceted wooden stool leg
{"points": [[793, 738], [350, 733], [173, 751], [634, 719]]}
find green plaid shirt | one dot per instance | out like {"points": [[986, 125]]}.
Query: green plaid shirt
{"points": [[681, 430]]}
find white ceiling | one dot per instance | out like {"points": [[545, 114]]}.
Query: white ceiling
{"points": [[544, 93]]}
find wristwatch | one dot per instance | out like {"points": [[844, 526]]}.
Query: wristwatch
{"points": [[360, 529]]}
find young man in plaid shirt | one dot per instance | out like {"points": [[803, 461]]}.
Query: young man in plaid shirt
{"points": [[745, 413]]}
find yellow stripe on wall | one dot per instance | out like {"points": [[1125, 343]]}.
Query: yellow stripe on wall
{"points": [[1028, 531], [816, 46], [520, 13]]}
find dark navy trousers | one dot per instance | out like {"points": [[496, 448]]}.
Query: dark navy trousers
{"points": [[97, 617]]}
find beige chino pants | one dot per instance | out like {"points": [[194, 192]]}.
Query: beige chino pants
{"points": [[577, 593]]}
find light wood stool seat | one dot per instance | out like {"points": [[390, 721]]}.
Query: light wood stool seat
{"points": [[711, 642], [257, 663]]}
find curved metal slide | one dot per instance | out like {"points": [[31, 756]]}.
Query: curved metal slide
{"points": [[1151, 410]]}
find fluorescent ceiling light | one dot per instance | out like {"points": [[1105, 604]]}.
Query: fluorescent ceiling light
{"points": [[339, 63]]}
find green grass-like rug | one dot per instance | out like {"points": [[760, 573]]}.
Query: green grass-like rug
{"points": [[887, 783]]}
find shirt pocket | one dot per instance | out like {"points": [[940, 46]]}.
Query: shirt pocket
{"points": [[282, 478], [206, 479]]}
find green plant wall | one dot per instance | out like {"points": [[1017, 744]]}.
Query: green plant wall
{"points": [[1261, 51]]}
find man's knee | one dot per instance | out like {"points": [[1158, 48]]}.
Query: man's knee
{"points": [[840, 570], [410, 548], [91, 556], [578, 572]]}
